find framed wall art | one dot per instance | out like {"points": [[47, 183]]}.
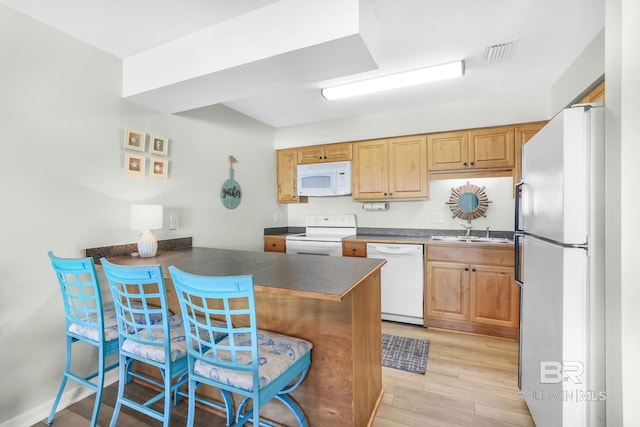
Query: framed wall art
{"points": [[159, 168], [134, 164], [159, 145], [134, 139]]}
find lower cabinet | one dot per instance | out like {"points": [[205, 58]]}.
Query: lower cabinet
{"points": [[275, 243], [353, 248], [472, 290]]}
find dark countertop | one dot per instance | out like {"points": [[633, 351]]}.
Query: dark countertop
{"points": [[418, 240], [311, 276], [404, 235]]}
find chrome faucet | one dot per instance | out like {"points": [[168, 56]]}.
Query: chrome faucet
{"points": [[467, 229], [487, 236]]}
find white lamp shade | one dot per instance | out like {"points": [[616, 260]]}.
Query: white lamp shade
{"points": [[146, 217]]}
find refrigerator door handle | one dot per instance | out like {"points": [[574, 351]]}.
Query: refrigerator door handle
{"points": [[518, 196], [517, 244]]}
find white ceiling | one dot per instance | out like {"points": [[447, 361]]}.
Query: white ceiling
{"points": [[268, 59]]}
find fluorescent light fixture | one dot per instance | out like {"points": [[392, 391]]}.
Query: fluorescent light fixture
{"points": [[395, 81]]}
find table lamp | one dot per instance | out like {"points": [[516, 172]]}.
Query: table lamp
{"points": [[146, 218]]}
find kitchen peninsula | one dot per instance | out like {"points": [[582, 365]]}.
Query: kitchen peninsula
{"points": [[334, 302]]}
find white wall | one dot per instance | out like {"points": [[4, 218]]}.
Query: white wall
{"points": [[62, 121], [517, 108], [622, 225], [421, 213]]}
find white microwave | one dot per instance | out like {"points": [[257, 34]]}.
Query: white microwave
{"points": [[324, 179]]}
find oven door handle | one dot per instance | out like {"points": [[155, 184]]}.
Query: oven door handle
{"points": [[313, 244], [314, 247]]}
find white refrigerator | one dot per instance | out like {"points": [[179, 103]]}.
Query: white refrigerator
{"points": [[560, 267]]}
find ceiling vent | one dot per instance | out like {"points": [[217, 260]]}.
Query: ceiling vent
{"points": [[499, 51]]}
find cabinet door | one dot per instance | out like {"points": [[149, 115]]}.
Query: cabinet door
{"points": [[495, 296], [325, 153], [338, 152], [370, 174], [287, 176], [447, 290], [523, 133], [355, 249], [492, 148], [596, 94], [275, 244], [408, 168], [312, 154], [448, 150]]}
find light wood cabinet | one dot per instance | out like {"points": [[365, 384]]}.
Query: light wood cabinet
{"points": [[393, 168], [325, 153], [596, 94], [275, 244], [494, 296], [523, 133], [472, 289], [478, 149], [448, 291], [353, 248], [287, 176]]}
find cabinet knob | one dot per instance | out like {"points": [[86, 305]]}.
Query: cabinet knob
{"points": [[465, 163], [466, 269], [473, 269], [472, 163], [273, 245]]}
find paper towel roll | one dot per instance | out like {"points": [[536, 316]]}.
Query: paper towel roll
{"points": [[375, 206]]}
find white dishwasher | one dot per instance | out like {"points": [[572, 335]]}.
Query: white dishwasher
{"points": [[402, 281]]}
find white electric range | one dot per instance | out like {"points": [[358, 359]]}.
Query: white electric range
{"points": [[323, 235]]}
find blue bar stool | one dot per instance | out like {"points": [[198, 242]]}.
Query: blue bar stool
{"points": [[88, 321], [258, 365], [140, 298]]}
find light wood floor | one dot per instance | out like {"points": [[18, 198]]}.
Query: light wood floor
{"points": [[470, 381]]}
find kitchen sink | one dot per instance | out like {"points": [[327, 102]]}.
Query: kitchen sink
{"points": [[471, 239]]}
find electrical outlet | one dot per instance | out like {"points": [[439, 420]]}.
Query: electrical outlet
{"points": [[174, 222]]}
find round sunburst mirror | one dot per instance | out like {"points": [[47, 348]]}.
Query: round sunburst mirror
{"points": [[468, 202]]}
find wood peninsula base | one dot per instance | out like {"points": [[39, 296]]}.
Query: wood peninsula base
{"points": [[333, 302]]}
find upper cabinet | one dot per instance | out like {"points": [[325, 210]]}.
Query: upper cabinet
{"points": [[393, 168], [596, 94], [401, 168], [477, 149], [524, 133], [287, 176], [325, 153]]}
